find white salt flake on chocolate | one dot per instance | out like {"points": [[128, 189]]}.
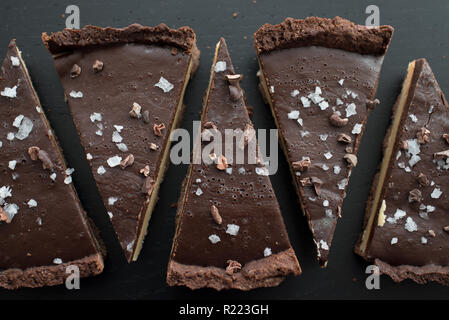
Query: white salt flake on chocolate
{"points": [[394, 240], [57, 261], [76, 94], [410, 225], [357, 128], [12, 164], [242, 170], [342, 184], [199, 192], [101, 170], [39, 221], [130, 246], [229, 170], [110, 214], [214, 238], [5, 192], [401, 165], [9, 92], [89, 156], [413, 118], [15, 61], [423, 240], [18, 121], [328, 213], [10, 136], [267, 252], [96, 117], [118, 128], [38, 109], [198, 180], [272, 89], [293, 114], [399, 214], [351, 110], [325, 167], [323, 105], [304, 133], [99, 133], [398, 155], [262, 171], [164, 84], [436, 193], [122, 147], [69, 171], [1, 144], [323, 137], [341, 81], [323, 245], [232, 229], [25, 128], [325, 203], [414, 160], [413, 147], [305, 102], [15, 176], [32, 203], [300, 121], [316, 96], [339, 102], [68, 180], [116, 137], [328, 155], [337, 169], [220, 66], [53, 176], [351, 93], [11, 209], [112, 200], [294, 93], [114, 161]]}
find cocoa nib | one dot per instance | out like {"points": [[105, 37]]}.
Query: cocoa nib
{"points": [[33, 152], [222, 163], [128, 161], [415, 196], [98, 66], [157, 128], [75, 71], [446, 137], [37, 154], [234, 79], [343, 137], [233, 266], [145, 171], [305, 182], [337, 121], [135, 111], [146, 116], [351, 159], [148, 185], [235, 93], [301, 165], [441, 155], [317, 183], [423, 135], [422, 180], [215, 214]]}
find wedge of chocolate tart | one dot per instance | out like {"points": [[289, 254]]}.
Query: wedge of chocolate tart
{"points": [[43, 227], [230, 232], [125, 89], [319, 77], [406, 232]]}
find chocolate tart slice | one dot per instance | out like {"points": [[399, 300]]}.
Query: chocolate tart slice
{"points": [[230, 232], [406, 232], [43, 227], [125, 89], [319, 77]]}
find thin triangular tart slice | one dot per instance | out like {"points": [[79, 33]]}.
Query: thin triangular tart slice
{"points": [[125, 89], [230, 232], [319, 77], [406, 232], [43, 227]]}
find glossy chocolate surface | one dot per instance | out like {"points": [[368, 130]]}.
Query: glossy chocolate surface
{"points": [[346, 83], [129, 75], [55, 230], [417, 238]]}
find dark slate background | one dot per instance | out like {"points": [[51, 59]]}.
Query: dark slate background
{"points": [[422, 30]]}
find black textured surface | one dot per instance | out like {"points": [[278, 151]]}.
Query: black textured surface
{"points": [[421, 31]]}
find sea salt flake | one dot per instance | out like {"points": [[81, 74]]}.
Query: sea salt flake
{"points": [[325, 167], [430, 208], [89, 156], [305, 102], [11, 209], [394, 240], [214, 238], [300, 121], [267, 252], [337, 169], [15, 61], [341, 81], [423, 240], [10, 136], [294, 93], [351, 110], [114, 161], [357, 128], [68, 180], [164, 84], [228, 170], [436, 193], [99, 133], [413, 118], [272, 89], [57, 261], [112, 200], [130, 246], [69, 171], [410, 225], [323, 105], [96, 117], [262, 171], [122, 147], [328, 155], [12, 164], [76, 94], [339, 102], [342, 184], [414, 160], [9, 92], [220, 66], [323, 137], [25, 128], [304, 133], [293, 114], [413, 147], [5, 192], [116, 137], [18, 121], [328, 213], [32, 203], [199, 192], [324, 245], [325, 203], [242, 170], [232, 229], [53, 176], [101, 170], [118, 128]]}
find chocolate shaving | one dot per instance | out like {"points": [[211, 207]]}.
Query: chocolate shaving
{"points": [[317, 183], [157, 128], [153, 146], [432, 233], [145, 171], [301, 165], [148, 186], [233, 266], [135, 111], [343, 137], [146, 116], [222, 163], [423, 135], [422, 180], [215, 214], [98, 66], [415, 195], [235, 93], [337, 121], [128, 161], [75, 71], [351, 159]]}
